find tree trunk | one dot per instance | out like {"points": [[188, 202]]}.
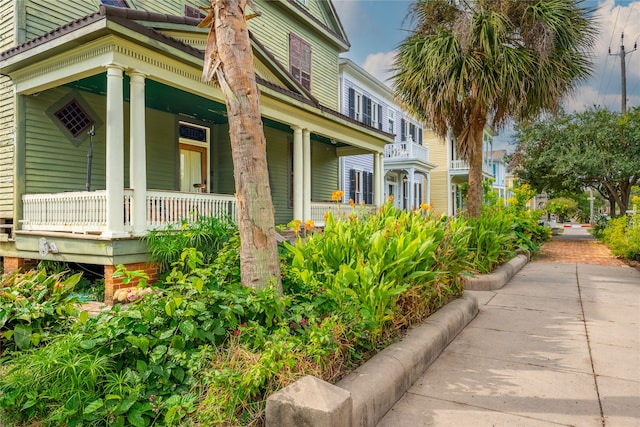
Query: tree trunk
{"points": [[258, 246], [474, 197]]}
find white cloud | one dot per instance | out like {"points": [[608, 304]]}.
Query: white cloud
{"points": [[604, 88], [379, 65]]}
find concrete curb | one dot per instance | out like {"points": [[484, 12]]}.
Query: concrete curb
{"points": [[373, 388], [500, 276]]}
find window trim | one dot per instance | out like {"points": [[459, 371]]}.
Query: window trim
{"points": [[300, 57]]}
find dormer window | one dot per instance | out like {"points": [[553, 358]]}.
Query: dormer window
{"points": [[300, 60], [116, 3]]}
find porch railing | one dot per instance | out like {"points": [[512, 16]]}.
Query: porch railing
{"points": [[168, 207], [86, 212], [406, 150], [461, 165], [320, 209]]}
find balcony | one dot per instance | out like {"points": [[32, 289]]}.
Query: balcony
{"points": [[461, 167], [406, 151]]}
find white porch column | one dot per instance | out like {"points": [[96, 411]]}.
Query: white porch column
{"points": [[412, 189], [298, 174], [377, 171], [115, 154], [306, 179], [138, 160]]}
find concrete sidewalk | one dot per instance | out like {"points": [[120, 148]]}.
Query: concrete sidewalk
{"points": [[558, 345]]}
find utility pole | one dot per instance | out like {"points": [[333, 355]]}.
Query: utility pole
{"points": [[623, 70]]}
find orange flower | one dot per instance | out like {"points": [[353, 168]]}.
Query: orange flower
{"points": [[309, 225], [424, 207], [352, 203], [390, 198], [336, 196]]}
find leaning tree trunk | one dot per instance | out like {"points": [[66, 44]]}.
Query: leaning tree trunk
{"points": [[229, 59], [474, 196]]}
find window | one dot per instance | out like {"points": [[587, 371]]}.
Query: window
{"points": [[193, 12], [357, 186], [392, 119], [358, 107], [361, 189], [74, 118], [375, 114], [116, 3], [300, 60]]}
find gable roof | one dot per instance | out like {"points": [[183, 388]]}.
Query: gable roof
{"points": [[151, 24]]}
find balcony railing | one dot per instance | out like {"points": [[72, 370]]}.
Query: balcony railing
{"points": [[406, 150], [86, 212], [461, 165], [320, 209]]}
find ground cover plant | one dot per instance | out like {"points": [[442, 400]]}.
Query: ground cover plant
{"points": [[33, 307], [622, 234], [204, 350]]}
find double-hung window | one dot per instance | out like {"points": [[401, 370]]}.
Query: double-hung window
{"points": [[300, 60]]}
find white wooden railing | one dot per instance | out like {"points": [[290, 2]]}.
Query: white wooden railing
{"points": [[461, 165], [169, 207], [406, 150], [86, 212], [320, 209]]}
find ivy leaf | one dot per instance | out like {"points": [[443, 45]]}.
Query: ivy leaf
{"points": [[136, 419], [187, 327], [140, 342], [93, 406]]}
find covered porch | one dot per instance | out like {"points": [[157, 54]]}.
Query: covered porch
{"points": [[140, 95]]}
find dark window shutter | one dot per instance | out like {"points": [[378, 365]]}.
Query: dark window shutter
{"points": [[420, 136], [366, 119], [352, 186], [403, 135], [352, 103], [412, 131], [380, 117], [369, 192]]}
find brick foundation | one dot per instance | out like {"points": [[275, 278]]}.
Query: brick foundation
{"points": [[111, 284], [12, 264]]}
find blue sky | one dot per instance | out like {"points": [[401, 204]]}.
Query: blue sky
{"points": [[376, 27]]}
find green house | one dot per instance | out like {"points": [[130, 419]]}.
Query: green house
{"points": [[107, 131]]}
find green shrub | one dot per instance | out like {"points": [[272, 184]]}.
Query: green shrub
{"points": [[623, 237], [207, 235], [34, 306]]}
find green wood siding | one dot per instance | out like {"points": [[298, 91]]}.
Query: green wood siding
{"points": [[7, 123], [272, 29], [279, 161], [222, 181], [54, 164], [324, 171]]}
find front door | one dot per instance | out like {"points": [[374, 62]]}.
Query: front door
{"points": [[193, 168]]}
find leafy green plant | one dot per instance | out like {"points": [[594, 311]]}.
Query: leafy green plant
{"points": [[34, 306], [207, 235], [623, 236]]}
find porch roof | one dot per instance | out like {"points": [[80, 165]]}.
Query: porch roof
{"points": [[141, 23]]}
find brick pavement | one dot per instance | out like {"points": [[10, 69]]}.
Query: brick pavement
{"points": [[578, 249]]}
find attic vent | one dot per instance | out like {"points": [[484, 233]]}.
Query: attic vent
{"points": [[192, 12], [116, 3], [74, 118]]}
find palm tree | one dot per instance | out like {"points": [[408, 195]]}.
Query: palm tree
{"points": [[469, 64], [229, 61]]}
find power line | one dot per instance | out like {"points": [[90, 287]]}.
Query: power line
{"points": [[623, 72]]}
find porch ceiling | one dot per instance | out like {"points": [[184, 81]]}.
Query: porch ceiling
{"points": [[162, 97], [173, 100]]}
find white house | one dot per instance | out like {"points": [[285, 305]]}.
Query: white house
{"points": [[405, 165]]}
